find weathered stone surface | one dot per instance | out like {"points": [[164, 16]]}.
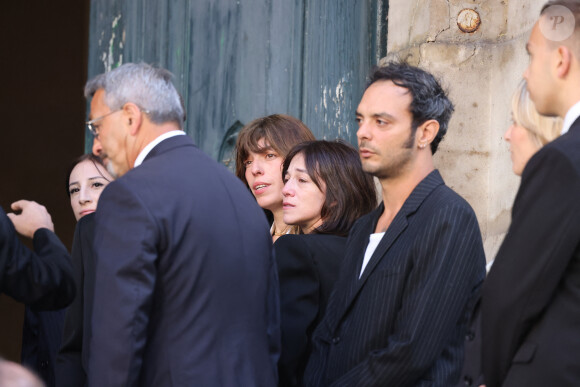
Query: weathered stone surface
{"points": [[480, 70], [415, 22]]}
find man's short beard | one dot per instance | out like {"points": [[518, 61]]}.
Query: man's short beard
{"points": [[396, 168], [411, 140]]}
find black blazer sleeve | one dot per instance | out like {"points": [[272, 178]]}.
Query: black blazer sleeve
{"points": [[42, 279], [533, 259], [299, 300], [69, 367]]}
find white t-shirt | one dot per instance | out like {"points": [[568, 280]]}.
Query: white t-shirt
{"points": [[374, 240]]}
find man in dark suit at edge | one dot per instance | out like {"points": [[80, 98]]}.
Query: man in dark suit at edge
{"points": [[186, 287], [531, 297], [42, 278], [413, 267]]}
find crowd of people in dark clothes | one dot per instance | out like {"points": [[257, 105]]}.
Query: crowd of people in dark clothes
{"points": [[298, 270]]}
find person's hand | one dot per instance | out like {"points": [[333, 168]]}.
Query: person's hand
{"points": [[31, 217]]}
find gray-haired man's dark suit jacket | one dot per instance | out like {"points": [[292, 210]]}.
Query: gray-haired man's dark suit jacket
{"points": [[186, 290]]}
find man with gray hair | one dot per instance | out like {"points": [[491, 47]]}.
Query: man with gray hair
{"points": [[186, 287]]}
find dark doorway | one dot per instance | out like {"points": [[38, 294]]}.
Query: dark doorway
{"points": [[43, 64]]}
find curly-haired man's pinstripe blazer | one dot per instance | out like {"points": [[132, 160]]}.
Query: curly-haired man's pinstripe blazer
{"points": [[403, 322]]}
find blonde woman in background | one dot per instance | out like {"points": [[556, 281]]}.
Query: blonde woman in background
{"points": [[529, 130]]}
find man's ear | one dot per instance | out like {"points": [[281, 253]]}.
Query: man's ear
{"points": [[426, 132], [133, 117], [564, 58]]}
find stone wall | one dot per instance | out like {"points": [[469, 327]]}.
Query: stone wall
{"points": [[480, 70]]}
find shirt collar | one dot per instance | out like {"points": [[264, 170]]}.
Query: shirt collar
{"points": [[153, 143], [571, 116]]}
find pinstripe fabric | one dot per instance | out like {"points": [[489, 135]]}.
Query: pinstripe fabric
{"points": [[403, 322]]}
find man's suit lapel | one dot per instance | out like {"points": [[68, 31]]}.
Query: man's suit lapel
{"points": [[354, 257], [360, 242]]}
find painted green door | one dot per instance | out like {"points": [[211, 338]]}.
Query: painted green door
{"points": [[236, 60]]}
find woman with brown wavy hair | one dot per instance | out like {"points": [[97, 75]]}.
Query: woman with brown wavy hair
{"points": [[261, 148]]}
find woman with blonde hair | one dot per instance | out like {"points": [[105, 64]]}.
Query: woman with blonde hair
{"points": [[530, 130]]}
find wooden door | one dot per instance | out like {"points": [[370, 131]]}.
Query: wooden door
{"points": [[236, 60]]}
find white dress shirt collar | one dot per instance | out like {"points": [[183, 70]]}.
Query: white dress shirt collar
{"points": [[153, 143], [571, 116]]}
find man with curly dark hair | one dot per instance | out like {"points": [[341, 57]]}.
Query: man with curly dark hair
{"points": [[413, 267]]}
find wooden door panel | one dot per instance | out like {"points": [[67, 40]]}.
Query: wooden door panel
{"points": [[234, 61]]}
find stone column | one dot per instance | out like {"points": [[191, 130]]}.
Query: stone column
{"points": [[477, 50]]}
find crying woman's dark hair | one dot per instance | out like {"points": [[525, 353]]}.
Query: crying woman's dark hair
{"points": [[350, 192]]}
